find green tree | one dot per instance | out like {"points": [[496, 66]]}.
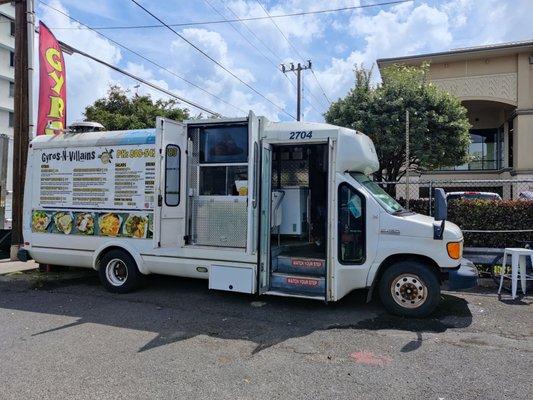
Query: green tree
{"points": [[118, 111], [439, 125]]}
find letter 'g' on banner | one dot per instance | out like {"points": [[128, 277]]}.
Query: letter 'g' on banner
{"points": [[52, 114]]}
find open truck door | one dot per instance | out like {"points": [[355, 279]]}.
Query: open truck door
{"points": [[264, 216], [171, 165]]}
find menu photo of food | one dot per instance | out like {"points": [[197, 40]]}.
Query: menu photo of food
{"points": [[150, 233], [135, 226], [109, 224], [63, 222], [85, 223], [40, 220]]}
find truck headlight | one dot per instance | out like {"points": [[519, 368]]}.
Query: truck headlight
{"points": [[454, 250]]}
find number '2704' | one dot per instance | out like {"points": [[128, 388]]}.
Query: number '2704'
{"points": [[300, 135]]}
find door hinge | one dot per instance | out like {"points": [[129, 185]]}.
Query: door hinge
{"points": [[159, 200]]}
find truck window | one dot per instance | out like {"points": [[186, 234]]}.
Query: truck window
{"points": [[172, 175], [351, 228]]}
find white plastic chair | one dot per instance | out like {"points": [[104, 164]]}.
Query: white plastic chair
{"points": [[518, 267]]}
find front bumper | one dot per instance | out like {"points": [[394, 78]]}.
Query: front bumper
{"points": [[461, 278]]}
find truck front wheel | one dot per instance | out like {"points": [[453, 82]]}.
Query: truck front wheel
{"points": [[410, 289], [118, 271]]}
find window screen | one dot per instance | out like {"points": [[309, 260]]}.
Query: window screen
{"points": [[351, 249], [172, 175]]}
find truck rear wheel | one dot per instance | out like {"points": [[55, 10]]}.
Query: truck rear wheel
{"points": [[410, 289], [118, 272]]}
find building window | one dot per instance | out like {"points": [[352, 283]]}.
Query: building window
{"points": [[510, 133], [11, 89], [11, 119], [485, 151], [11, 59], [12, 28]]}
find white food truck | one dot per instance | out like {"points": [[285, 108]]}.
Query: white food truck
{"points": [[253, 206]]}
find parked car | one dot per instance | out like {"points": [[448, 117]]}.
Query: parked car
{"points": [[527, 195], [473, 196]]}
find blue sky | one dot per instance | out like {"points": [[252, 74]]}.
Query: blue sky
{"points": [[335, 42]]}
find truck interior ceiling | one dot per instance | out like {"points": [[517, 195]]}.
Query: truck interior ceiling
{"points": [[299, 215]]}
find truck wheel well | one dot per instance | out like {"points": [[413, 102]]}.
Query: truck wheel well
{"points": [[390, 260], [105, 251]]}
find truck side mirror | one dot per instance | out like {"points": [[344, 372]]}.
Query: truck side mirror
{"points": [[441, 205], [441, 213]]}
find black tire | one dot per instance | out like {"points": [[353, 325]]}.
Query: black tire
{"points": [[416, 289], [118, 272]]}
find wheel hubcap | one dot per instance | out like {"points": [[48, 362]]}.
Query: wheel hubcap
{"points": [[116, 272], [409, 291]]}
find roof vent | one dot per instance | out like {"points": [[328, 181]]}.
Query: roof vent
{"points": [[86, 126]]}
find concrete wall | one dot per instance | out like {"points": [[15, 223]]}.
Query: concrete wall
{"points": [[484, 66]]}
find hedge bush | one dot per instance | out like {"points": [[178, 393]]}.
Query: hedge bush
{"points": [[486, 215], [493, 215]]}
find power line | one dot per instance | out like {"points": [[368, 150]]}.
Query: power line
{"points": [[276, 56], [295, 14], [69, 49], [143, 57], [320, 86], [292, 46], [211, 58], [242, 35], [276, 66]]}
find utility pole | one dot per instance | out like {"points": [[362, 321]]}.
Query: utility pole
{"points": [[407, 156], [22, 106], [298, 69]]}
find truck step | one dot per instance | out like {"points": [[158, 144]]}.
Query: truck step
{"points": [[298, 284], [299, 265]]}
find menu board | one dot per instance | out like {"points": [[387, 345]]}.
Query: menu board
{"points": [[111, 178]]}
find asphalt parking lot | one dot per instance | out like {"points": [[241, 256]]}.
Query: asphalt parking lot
{"points": [[64, 337]]}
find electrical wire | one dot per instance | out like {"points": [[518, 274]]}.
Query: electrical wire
{"points": [[276, 66], [295, 14], [293, 47], [242, 35], [68, 48], [145, 58], [211, 58]]}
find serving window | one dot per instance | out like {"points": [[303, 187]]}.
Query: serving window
{"points": [[223, 161]]}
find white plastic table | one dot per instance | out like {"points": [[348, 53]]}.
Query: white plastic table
{"points": [[518, 267]]}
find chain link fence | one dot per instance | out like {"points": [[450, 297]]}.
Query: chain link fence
{"points": [[504, 219], [419, 192]]}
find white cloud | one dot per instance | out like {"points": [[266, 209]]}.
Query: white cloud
{"points": [[334, 41], [214, 79], [86, 79]]}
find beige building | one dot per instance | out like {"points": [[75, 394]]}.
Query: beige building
{"points": [[495, 84], [7, 89]]}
